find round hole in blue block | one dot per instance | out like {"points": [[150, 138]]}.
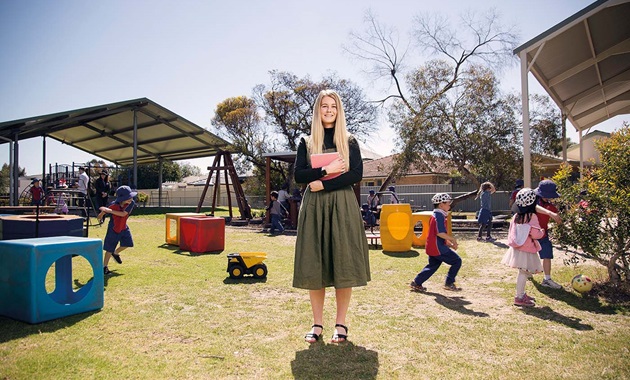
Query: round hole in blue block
{"points": [[69, 279]]}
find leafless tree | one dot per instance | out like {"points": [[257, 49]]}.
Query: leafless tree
{"points": [[437, 88]]}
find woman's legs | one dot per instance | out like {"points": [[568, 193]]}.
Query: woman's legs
{"points": [[317, 297], [317, 306], [343, 296]]}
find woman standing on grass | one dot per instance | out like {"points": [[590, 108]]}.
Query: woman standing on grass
{"points": [[331, 247]]}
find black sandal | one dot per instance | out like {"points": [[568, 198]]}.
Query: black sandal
{"points": [[336, 336], [312, 335]]}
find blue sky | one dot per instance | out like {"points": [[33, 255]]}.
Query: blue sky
{"points": [[190, 55]]}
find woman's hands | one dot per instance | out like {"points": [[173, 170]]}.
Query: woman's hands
{"points": [[316, 186], [336, 166]]}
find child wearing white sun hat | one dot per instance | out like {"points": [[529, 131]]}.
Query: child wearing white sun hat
{"points": [[440, 247], [524, 246]]}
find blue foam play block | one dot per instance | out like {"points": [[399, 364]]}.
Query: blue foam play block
{"points": [[24, 226], [24, 264]]}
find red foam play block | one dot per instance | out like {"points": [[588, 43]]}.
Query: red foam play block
{"points": [[202, 234]]}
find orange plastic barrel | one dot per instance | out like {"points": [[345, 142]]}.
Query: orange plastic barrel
{"points": [[396, 227]]}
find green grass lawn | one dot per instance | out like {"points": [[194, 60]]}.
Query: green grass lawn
{"points": [[170, 315]]}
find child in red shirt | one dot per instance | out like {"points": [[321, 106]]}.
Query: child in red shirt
{"points": [[440, 247], [117, 230], [37, 193], [546, 191]]}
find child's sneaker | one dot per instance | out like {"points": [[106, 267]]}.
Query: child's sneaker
{"points": [[479, 238], [551, 284], [106, 271], [490, 239], [117, 258], [452, 287], [523, 301], [526, 296], [417, 288]]}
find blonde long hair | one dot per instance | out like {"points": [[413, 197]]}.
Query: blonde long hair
{"points": [[316, 142]]}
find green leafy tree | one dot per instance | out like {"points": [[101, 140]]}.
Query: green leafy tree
{"points": [[5, 177], [148, 175], [278, 114], [288, 106], [189, 169], [596, 209], [545, 124], [472, 126], [237, 119]]}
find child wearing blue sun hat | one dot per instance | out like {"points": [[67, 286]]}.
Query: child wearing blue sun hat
{"points": [[117, 230]]}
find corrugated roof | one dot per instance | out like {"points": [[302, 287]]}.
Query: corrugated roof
{"points": [[584, 63], [107, 131]]}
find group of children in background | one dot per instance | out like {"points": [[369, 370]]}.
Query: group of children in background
{"points": [[528, 237]]}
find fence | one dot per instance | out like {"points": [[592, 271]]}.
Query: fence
{"points": [[419, 196], [189, 196]]}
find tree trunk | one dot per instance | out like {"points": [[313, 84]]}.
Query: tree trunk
{"points": [[613, 275]]}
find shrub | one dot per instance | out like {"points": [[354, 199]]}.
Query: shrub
{"points": [[142, 197], [596, 210]]}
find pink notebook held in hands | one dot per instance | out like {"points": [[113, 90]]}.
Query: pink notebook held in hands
{"points": [[323, 159]]}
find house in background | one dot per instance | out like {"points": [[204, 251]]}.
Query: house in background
{"points": [[589, 151], [550, 164], [376, 171]]}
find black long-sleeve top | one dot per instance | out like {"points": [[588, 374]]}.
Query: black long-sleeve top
{"points": [[101, 187], [304, 173]]}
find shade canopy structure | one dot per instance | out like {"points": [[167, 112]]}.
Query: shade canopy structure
{"points": [[107, 131], [132, 132], [583, 63]]}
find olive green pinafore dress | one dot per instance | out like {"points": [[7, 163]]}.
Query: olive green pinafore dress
{"points": [[331, 248]]}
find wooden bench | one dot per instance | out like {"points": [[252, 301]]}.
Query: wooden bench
{"points": [[471, 224], [373, 238]]}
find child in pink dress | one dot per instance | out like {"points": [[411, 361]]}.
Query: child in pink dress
{"points": [[524, 246]]}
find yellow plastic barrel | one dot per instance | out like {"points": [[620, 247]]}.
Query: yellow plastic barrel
{"points": [[396, 227], [424, 217]]}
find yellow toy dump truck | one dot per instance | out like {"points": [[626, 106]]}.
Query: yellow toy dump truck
{"points": [[242, 263]]}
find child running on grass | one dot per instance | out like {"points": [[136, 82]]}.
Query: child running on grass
{"points": [[117, 230], [524, 246], [440, 247]]}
